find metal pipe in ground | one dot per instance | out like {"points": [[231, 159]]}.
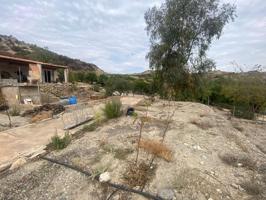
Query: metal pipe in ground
{"points": [[114, 185]]}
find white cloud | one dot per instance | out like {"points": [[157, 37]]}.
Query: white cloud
{"points": [[110, 33]]}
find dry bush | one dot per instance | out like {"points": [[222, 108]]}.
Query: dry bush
{"points": [[233, 137], [203, 124], [252, 187], [138, 174], [239, 160], [41, 116], [156, 148]]}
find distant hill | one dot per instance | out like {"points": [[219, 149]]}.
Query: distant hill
{"points": [[11, 46]]}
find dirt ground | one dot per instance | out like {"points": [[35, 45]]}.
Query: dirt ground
{"points": [[213, 157]]}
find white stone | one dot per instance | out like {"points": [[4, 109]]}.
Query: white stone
{"points": [[18, 163], [219, 191], [105, 177], [239, 164]]}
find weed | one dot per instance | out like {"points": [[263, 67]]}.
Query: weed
{"points": [[98, 171], [14, 110], [108, 148], [121, 153], [138, 174], [241, 160], [89, 128], [60, 143], [112, 109], [156, 148]]}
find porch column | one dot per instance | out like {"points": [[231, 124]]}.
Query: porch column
{"points": [[66, 72], [41, 73]]}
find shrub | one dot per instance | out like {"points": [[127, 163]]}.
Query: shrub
{"points": [[138, 174], [60, 143], [156, 148], [14, 110], [112, 109], [96, 88], [239, 160]]}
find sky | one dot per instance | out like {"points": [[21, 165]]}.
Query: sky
{"points": [[111, 33]]}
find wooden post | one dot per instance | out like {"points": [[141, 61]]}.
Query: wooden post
{"points": [[39, 92]]}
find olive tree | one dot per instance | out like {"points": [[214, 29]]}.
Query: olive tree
{"points": [[181, 32]]}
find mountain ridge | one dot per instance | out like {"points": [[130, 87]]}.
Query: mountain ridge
{"points": [[11, 46]]}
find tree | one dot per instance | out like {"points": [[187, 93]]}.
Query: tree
{"points": [[181, 32], [102, 79], [90, 77]]}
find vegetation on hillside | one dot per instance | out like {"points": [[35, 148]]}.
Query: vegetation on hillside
{"points": [[9, 45]]}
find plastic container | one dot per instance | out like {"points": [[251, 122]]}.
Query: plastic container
{"points": [[73, 100]]}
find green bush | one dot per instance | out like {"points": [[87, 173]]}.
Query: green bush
{"points": [[112, 109], [60, 143]]}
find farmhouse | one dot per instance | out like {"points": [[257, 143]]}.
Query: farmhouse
{"points": [[17, 70], [21, 79]]}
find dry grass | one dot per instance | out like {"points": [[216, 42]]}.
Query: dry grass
{"points": [[233, 137], [41, 116], [239, 160], [138, 174], [203, 124], [156, 148]]}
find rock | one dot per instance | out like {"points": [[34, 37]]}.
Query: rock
{"points": [[166, 194], [219, 191], [18, 163], [38, 153], [239, 164], [105, 177], [4, 167], [234, 185]]}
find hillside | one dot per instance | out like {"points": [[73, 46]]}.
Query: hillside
{"points": [[11, 46]]}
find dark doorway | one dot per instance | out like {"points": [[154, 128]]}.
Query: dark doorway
{"points": [[47, 76]]}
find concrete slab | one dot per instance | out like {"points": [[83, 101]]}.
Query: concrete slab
{"points": [[19, 141], [28, 139]]}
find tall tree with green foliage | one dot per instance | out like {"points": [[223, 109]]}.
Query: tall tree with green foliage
{"points": [[181, 32]]}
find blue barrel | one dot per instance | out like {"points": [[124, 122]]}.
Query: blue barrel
{"points": [[72, 100]]}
